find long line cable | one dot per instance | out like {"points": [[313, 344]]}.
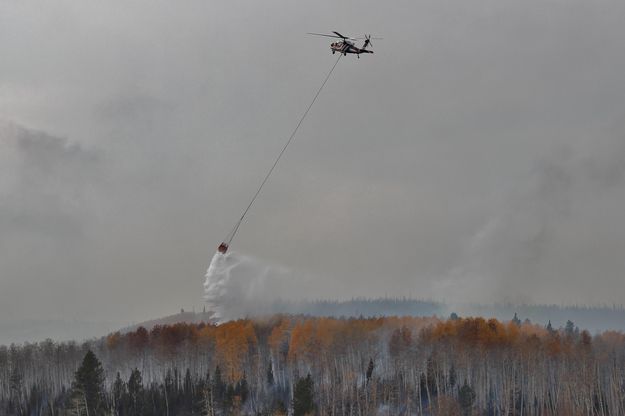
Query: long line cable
{"points": [[275, 163]]}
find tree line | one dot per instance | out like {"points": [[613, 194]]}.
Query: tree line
{"points": [[327, 366]]}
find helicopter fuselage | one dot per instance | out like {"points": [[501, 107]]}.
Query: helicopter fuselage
{"points": [[346, 47]]}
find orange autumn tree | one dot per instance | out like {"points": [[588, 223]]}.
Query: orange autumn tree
{"points": [[236, 345], [278, 339], [490, 334], [314, 337]]}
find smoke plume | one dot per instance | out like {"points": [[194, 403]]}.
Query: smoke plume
{"points": [[237, 286]]}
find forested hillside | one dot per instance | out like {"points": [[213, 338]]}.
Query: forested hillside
{"points": [[327, 366], [593, 318]]}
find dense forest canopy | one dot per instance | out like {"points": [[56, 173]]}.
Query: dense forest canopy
{"points": [[326, 366]]}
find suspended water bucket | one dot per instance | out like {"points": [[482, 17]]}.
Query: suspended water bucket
{"points": [[223, 247]]}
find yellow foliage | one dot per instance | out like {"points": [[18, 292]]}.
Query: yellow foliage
{"points": [[234, 341]]}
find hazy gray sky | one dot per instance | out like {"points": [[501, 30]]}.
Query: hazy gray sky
{"points": [[479, 154]]}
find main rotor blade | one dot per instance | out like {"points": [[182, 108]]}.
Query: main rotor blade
{"points": [[328, 36], [343, 37]]}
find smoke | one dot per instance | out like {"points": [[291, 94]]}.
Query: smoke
{"points": [[553, 232], [237, 286], [418, 185]]}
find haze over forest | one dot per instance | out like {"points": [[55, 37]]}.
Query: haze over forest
{"points": [[477, 156]]}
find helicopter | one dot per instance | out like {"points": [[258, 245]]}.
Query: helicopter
{"points": [[347, 44]]}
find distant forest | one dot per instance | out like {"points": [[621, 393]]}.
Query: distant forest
{"points": [[592, 318], [300, 365]]}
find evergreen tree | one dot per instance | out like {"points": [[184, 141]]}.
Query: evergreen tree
{"points": [[168, 388], [431, 375], [516, 320], [466, 396], [242, 389], [303, 397], [218, 387], [270, 374], [16, 386], [88, 386], [135, 390], [370, 370], [569, 329], [119, 394], [229, 398], [187, 390], [452, 375]]}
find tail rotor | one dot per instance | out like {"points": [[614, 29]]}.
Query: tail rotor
{"points": [[367, 41]]}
